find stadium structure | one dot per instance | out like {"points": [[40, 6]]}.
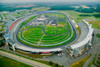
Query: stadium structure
{"points": [[49, 32]]}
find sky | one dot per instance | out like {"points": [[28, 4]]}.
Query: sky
{"points": [[49, 1]]}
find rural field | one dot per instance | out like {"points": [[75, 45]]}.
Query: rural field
{"points": [[92, 18], [7, 62]]}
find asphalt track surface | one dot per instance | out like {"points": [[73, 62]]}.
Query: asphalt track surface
{"points": [[15, 30], [51, 35]]}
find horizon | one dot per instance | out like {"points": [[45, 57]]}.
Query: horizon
{"points": [[44, 1]]}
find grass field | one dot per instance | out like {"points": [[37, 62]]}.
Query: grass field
{"points": [[95, 24], [7, 62], [53, 34], [5, 14], [33, 35], [92, 18], [62, 28], [31, 18], [98, 35], [16, 15], [93, 61], [80, 63], [98, 59], [1, 17], [58, 15], [51, 30], [2, 27]]}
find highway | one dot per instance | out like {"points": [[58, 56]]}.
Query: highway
{"points": [[22, 59], [13, 32]]}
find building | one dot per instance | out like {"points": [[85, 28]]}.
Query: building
{"points": [[82, 46]]}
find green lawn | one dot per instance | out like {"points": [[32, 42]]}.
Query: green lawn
{"points": [[80, 63], [1, 17], [79, 15], [62, 27], [95, 24], [2, 27], [5, 14], [1, 42], [31, 18], [7, 62], [32, 35], [93, 61], [98, 35], [90, 17], [98, 60], [58, 15], [23, 23], [54, 34], [53, 40], [16, 15], [41, 26], [61, 24], [61, 30], [51, 30]]}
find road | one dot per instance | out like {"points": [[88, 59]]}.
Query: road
{"points": [[17, 25], [95, 49], [64, 59], [12, 34], [23, 60]]}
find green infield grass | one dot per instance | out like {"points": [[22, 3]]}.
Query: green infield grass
{"points": [[32, 35], [51, 30], [31, 18], [47, 35]]}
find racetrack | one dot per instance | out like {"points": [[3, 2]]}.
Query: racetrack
{"points": [[14, 32], [53, 36]]}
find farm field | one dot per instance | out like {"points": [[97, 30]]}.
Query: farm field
{"points": [[92, 18], [58, 15], [7, 62], [80, 63]]}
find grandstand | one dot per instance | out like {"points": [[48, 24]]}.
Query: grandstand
{"points": [[48, 32]]}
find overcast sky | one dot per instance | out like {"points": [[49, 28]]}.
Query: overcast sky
{"points": [[49, 0]]}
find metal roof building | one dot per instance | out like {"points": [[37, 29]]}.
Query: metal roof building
{"points": [[87, 39]]}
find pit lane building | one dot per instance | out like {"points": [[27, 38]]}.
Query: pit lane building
{"points": [[85, 41]]}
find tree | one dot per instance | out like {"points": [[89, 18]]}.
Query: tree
{"points": [[56, 65], [51, 63]]}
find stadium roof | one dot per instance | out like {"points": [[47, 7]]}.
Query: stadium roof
{"points": [[86, 40], [36, 49]]}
